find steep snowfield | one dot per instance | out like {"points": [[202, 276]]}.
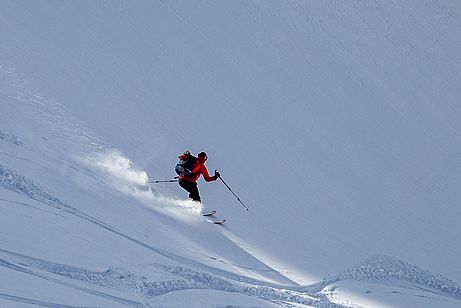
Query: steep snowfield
{"points": [[338, 124]]}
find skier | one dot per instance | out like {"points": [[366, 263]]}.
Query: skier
{"points": [[188, 176]]}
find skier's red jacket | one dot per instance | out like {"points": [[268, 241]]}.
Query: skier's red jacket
{"points": [[198, 169]]}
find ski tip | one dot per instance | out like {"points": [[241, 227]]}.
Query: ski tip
{"points": [[210, 213], [216, 222]]}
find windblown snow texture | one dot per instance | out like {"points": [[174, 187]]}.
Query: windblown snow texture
{"points": [[11, 138], [338, 123]]}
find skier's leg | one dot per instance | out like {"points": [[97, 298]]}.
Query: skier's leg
{"points": [[194, 194], [192, 189]]}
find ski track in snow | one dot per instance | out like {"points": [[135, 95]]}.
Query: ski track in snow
{"points": [[379, 268], [23, 269], [15, 181], [24, 300], [116, 279]]}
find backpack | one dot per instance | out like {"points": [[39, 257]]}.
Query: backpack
{"points": [[185, 164]]}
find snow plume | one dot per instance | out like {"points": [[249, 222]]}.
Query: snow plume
{"points": [[120, 169], [119, 172]]}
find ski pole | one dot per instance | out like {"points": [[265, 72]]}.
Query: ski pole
{"points": [[224, 182], [163, 181]]}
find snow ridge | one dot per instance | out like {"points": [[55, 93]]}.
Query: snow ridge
{"points": [[271, 293], [8, 137], [182, 278], [35, 267], [388, 268], [15, 181]]}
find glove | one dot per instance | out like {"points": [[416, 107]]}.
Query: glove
{"points": [[216, 174]]}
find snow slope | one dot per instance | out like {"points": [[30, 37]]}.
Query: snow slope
{"points": [[337, 123]]}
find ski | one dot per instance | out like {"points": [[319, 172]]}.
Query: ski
{"points": [[217, 222], [210, 213]]}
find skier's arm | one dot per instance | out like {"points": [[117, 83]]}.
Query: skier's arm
{"points": [[206, 176]]}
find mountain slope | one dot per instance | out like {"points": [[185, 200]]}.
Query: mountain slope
{"points": [[337, 123]]}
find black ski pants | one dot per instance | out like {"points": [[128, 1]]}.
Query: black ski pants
{"points": [[191, 188]]}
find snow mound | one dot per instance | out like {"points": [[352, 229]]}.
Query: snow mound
{"points": [[388, 268]]}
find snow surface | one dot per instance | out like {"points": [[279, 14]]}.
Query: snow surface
{"points": [[337, 123]]}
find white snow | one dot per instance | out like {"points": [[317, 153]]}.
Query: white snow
{"points": [[391, 294], [337, 123]]}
